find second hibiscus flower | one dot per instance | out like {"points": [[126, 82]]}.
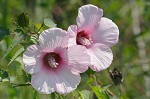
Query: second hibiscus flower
{"points": [[96, 33]]}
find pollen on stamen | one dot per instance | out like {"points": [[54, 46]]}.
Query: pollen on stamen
{"points": [[52, 60], [83, 39]]}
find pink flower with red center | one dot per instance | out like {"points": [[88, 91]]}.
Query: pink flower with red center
{"points": [[96, 33], [54, 66]]}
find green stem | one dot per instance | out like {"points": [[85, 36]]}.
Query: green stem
{"points": [[95, 79], [73, 95], [35, 94], [40, 27], [18, 85], [101, 84]]}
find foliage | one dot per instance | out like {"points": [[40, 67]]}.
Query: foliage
{"points": [[3, 32]]}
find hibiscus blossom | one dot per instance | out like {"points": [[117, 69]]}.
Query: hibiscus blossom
{"points": [[53, 65], [96, 33]]}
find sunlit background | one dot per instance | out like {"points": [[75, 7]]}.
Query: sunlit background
{"points": [[131, 54]]}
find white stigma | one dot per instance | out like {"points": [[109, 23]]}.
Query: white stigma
{"points": [[85, 41], [52, 63]]}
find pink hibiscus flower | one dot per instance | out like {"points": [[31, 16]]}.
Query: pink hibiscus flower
{"points": [[53, 65], [96, 33]]}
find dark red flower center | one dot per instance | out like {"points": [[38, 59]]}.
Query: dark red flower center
{"points": [[83, 39], [52, 59]]}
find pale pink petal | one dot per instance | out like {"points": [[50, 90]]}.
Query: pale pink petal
{"points": [[53, 38], [78, 59], [62, 81], [66, 81], [107, 33], [72, 31], [31, 59], [88, 16], [44, 82], [101, 57]]}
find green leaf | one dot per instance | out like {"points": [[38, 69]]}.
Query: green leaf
{"points": [[85, 94], [14, 43], [3, 32], [90, 80], [48, 22], [34, 39], [124, 97], [56, 96], [18, 52], [3, 76], [53, 95], [99, 92], [90, 71], [19, 30]]}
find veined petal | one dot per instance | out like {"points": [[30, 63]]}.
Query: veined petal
{"points": [[62, 81], [44, 82], [88, 16], [107, 33], [53, 38], [101, 57], [66, 81], [31, 59], [72, 31], [78, 59]]}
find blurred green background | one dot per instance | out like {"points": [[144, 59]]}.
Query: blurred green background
{"points": [[131, 54]]}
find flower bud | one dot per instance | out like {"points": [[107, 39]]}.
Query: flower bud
{"points": [[23, 20], [116, 76]]}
